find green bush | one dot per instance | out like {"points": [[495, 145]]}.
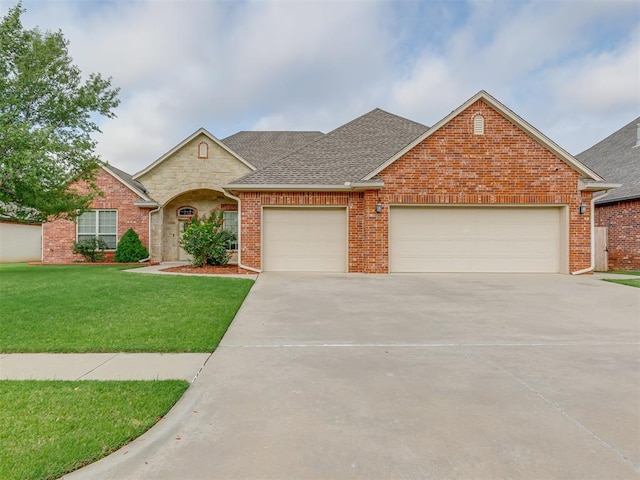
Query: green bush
{"points": [[207, 241], [92, 249], [130, 248]]}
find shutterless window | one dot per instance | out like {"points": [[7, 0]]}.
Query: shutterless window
{"points": [[99, 223], [231, 223]]}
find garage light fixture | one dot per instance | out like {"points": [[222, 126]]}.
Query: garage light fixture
{"points": [[582, 209], [378, 207]]}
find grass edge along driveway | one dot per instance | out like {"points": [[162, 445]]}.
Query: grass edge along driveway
{"points": [[80, 309], [50, 428], [632, 281]]}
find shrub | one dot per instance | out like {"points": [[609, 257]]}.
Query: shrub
{"points": [[92, 249], [130, 248], [207, 241]]}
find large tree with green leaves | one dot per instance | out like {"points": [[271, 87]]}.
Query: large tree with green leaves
{"points": [[48, 115]]}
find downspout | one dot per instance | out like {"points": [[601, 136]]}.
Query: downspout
{"points": [[593, 241], [251, 269], [149, 257]]}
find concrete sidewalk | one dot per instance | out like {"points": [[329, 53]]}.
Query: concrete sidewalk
{"points": [[101, 366]]}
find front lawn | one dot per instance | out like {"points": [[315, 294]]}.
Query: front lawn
{"points": [[102, 309], [623, 272], [635, 282], [48, 429]]}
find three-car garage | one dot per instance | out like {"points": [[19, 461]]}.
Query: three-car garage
{"points": [[512, 239]]}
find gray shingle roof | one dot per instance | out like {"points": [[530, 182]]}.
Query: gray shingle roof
{"points": [[262, 148], [347, 154], [127, 178], [617, 159]]}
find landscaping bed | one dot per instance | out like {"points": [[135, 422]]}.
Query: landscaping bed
{"points": [[209, 270]]}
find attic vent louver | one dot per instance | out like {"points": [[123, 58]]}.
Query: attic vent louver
{"points": [[638, 135], [478, 125]]}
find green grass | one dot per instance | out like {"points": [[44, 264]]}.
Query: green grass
{"points": [[635, 282], [102, 309], [48, 429], [623, 272]]}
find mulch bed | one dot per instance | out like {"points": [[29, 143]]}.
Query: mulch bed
{"points": [[209, 269]]}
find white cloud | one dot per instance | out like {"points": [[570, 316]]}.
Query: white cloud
{"points": [[315, 64]]}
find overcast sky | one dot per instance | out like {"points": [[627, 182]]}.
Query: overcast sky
{"points": [[569, 67]]}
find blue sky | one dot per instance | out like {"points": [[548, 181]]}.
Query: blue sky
{"points": [[571, 68]]}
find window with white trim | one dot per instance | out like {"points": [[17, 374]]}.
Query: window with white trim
{"points": [[230, 222], [99, 223], [187, 212]]}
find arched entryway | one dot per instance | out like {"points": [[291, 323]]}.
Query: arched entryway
{"points": [[179, 210]]}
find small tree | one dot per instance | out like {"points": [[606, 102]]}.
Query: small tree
{"points": [[92, 249], [49, 113], [207, 241], [130, 248]]}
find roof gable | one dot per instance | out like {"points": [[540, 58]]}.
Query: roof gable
{"points": [[617, 159], [342, 156], [200, 131], [509, 115]]}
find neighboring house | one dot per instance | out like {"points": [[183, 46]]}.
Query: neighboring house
{"points": [[482, 191], [617, 159], [20, 242]]}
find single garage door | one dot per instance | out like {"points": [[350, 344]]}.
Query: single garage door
{"points": [[475, 239], [304, 239]]}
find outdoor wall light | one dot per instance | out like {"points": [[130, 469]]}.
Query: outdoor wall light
{"points": [[582, 209], [378, 207]]}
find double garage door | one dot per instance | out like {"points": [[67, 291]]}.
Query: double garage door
{"points": [[421, 239], [476, 239]]}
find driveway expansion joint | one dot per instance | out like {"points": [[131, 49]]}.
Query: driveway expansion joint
{"points": [[562, 411]]}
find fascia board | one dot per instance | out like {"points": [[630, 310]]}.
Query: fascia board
{"points": [[349, 187], [183, 143], [597, 186], [510, 115]]}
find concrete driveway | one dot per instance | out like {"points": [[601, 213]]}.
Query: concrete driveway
{"points": [[435, 376]]}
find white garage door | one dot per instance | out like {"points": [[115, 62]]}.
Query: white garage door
{"points": [[304, 239], [475, 239]]}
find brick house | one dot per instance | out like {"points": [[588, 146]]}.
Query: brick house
{"points": [[482, 190], [617, 158]]}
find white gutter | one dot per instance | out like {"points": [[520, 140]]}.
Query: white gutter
{"points": [[593, 240], [149, 257], [346, 187], [251, 269]]}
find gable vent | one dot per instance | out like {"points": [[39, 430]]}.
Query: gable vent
{"points": [[478, 125], [638, 135]]}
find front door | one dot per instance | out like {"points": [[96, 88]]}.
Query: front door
{"points": [[182, 255]]}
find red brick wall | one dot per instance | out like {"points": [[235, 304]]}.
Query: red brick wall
{"points": [[58, 236], [623, 222], [453, 166]]}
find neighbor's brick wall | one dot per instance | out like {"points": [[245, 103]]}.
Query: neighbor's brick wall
{"points": [[623, 222], [453, 166], [58, 236]]}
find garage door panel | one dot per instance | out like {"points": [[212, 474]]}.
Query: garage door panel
{"points": [[462, 239], [305, 239]]}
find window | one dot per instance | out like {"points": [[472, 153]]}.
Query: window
{"points": [[203, 150], [478, 125], [187, 212], [230, 220], [99, 223]]}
